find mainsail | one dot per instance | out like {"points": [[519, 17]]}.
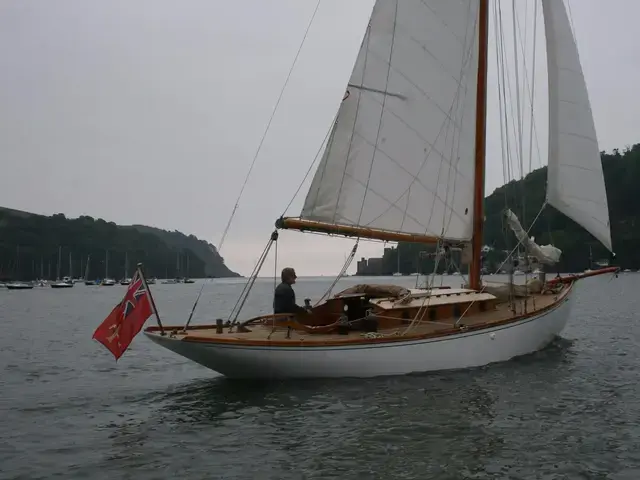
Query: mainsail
{"points": [[575, 183], [401, 154]]}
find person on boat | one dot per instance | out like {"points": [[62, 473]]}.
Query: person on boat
{"points": [[284, 298]]}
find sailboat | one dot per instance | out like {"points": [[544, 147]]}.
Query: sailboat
{"points": [[106, 281], [18, 285], [398, 273], [177, 279], [588, 269], [186, 279], [405, 161], [126, 280], [86, 273], [65, 282]]}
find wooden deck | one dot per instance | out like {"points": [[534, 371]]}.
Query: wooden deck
{"points": [[266, 334]]}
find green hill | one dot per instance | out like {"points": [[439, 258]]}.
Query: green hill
{"points": [[622, 176], [29, 242]]}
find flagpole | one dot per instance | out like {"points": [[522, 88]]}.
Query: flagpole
{"points": [[153, 303]]}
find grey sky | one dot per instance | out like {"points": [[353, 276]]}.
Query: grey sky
{"points": [[151, 111]]}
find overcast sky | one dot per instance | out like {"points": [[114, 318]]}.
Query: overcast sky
{"points": [[151, 111]]}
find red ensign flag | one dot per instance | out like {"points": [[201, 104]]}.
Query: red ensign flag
{"points": [[127, 319]]}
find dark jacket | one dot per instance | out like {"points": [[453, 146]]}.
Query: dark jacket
{"points": [[284, 300]]}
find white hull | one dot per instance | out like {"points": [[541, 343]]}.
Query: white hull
{"points": [[464, 350]]}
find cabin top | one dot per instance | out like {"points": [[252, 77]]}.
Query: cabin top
{"points": [[434, 297]]}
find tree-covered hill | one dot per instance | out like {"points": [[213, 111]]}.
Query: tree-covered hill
{"points": [[29, 244], [526, 196]]}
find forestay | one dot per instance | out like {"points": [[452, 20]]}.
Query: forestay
{"points": [[575, 180], [401, 154]]}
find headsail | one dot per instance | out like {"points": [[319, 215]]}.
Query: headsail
{"points": [[547, 254], [401, 154], [575, 184]]}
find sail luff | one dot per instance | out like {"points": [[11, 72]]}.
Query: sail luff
{"points": [[575, 181], [475, 268]]}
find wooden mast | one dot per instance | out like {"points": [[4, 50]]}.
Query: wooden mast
{"points": [[480, 154]]}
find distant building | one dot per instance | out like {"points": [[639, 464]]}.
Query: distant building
{"points": [[374, 266], [362, 266], [371, 266]]}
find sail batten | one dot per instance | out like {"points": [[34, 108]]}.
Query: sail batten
{"points": [[401, 154], [575, 183]]}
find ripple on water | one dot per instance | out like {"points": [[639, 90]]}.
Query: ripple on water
{"points": [[68, 410]]}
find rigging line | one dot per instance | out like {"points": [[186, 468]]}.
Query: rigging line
{"points": [[345, 267], [517, 87], [193, 309], [315, 159], [506, 93], [426, 299], [504, 135], [272, 240], [533, 83], [504, 117], [255, 271], [508, 89], [531, 91], [264, 135], [275, 268], [505, 261], [519, 137]]}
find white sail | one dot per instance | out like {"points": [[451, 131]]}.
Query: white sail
{"points": [[401, 155], [575, 184]]}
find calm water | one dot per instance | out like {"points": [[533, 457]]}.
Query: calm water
{"points": [[67, 410]]}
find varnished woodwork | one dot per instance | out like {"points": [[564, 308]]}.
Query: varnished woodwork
{"points": [[284, 332]]}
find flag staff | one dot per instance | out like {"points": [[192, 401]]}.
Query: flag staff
{"points": [[153, 303]]}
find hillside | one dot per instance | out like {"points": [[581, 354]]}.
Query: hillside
{"points": [[29, 242], [622, 175]]}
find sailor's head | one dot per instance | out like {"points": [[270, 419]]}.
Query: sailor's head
{"points": [[288, 275]]}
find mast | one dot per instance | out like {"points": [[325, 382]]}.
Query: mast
{"points": [[59, 262], [86, 270], [480, 153]]}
